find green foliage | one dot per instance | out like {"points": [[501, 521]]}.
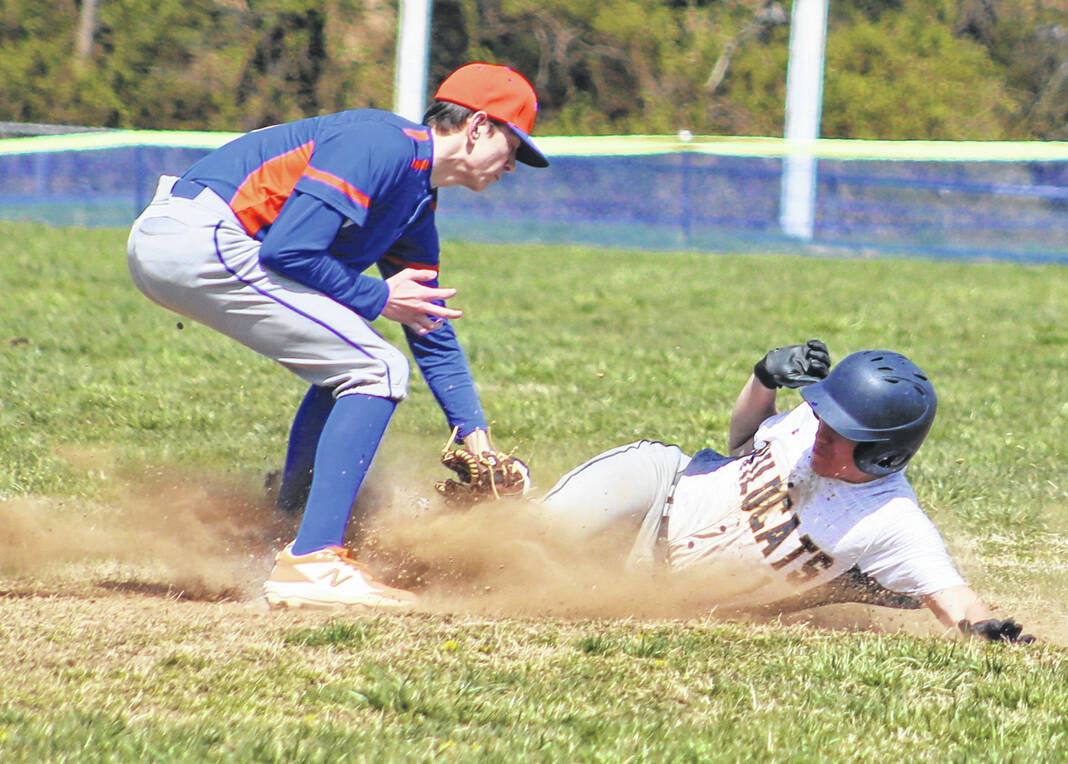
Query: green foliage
{"points": [[636, 66], [170, 64], [32, 65], [908, 69], [906, 77], [754, 94], [1029, 40]]}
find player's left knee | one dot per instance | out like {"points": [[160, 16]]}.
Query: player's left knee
{"points": [[387, 377]]}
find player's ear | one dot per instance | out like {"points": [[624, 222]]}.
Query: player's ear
{"points": [[477, 123]]}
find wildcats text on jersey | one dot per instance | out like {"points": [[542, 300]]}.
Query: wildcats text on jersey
{"points": [[766, 501]]}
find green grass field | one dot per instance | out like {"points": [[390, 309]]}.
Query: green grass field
{"points": [[133, 446]]}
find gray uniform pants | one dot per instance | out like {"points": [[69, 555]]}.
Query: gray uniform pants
{"points": [[194, 257], [625, 488]]}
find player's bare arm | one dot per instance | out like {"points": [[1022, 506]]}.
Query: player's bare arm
{"points": [[478, 441], [951, 606], [754, 404], [410, 303], [959, 607]]}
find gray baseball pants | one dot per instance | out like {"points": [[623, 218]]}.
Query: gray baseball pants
{"points": [[194, 257]]}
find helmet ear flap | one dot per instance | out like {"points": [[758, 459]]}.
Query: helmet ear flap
{"points": [[875, 459]]}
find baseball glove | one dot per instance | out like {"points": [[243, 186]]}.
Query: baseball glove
{"points": [[488, 475]]}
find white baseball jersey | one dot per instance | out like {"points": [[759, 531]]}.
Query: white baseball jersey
{"points": [[765, 526]]}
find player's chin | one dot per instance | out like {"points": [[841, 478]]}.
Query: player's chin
{"points": [[481, 184], [823, 468]]}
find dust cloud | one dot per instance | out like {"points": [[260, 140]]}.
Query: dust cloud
{"points": [[504, 558], [169, 534], [162, 533]]}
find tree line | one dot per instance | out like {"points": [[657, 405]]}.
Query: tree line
{"points": [[896, 69]]}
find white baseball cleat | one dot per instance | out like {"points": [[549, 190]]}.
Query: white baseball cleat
{"points": [[329, 578]]}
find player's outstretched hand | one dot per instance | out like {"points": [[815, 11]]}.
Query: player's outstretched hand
{"points": [[996, 631], [410, 301], [794, 365]]}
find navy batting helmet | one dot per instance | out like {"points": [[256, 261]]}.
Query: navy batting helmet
{"points": [[880, 399]]}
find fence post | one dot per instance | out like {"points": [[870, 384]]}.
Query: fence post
{"points": [[413, 46], [804, 96]]}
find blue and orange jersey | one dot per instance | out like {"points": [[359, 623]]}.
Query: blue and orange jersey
{"points": [[352, 185], [345, 159], [330, 196], [371, 166]]}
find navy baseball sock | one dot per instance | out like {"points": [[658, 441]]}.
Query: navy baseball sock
{"points": [[300, 456], [348, 444]]}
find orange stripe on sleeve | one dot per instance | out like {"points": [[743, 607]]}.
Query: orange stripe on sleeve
{"points": [[420, 164], [409, 264], [350, 191]]}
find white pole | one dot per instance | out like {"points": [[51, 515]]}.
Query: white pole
{"points": [[413, 54], [804, 98]]}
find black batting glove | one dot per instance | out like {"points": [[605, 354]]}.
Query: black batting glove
{"points": [[996, 631], [794, 365]]}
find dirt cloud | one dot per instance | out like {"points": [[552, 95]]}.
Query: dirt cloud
{"points": [[163, 533]]}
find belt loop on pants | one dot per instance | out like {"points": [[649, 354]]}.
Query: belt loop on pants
{"points": [[660, 546]]}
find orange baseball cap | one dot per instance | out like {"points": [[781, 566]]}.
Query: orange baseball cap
{"points": [[504, 94]]}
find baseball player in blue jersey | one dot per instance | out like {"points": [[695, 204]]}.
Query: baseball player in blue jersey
{"points": [[266, 240]]}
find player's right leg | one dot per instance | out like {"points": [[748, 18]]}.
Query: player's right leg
{"points": [[304, 434]]}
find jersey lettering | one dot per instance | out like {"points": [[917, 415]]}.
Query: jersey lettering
{"points": [[765, 500], [777, 535], [804, 545], [812, 566]]}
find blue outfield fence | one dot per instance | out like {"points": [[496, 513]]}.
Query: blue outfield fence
{"points": [[998, 201]]}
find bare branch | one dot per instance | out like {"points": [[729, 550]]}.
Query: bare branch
{"points": [[86, 32], [767, 16]]}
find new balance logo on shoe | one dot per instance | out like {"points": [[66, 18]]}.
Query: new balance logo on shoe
{"points": [[334, 577], [329, 578]]}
